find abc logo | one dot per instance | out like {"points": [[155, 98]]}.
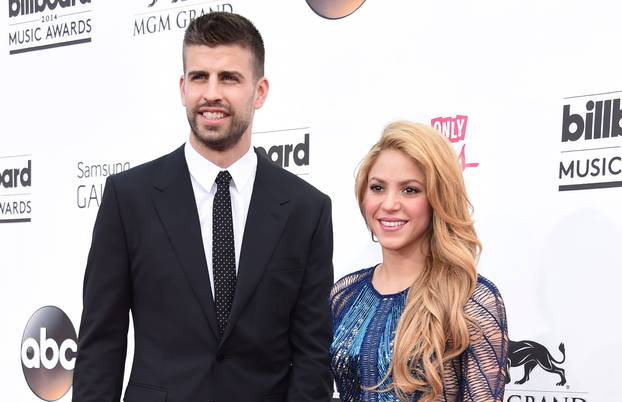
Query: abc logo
{"points": [[49, 347]]}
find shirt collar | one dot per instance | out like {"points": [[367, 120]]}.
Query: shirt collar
{"points": [[204, 171]]}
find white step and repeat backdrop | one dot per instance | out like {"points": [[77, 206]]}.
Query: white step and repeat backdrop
{"points": [[527, 91]]}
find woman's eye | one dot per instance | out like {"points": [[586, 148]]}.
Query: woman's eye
{"points": [[411, 190], [375, 188]]}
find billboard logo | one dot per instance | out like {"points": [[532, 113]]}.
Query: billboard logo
{"points": [[334, 9], [25, 7], [15, 188], [16, 177], [289, 149], [602, 120], [454, 128], [48, 353], [591, 138], [57, 23]]}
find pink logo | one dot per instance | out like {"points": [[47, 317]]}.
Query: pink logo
{"points": [[454, 128]]}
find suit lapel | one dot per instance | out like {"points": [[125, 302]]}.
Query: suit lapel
{"points": [[267, 215], [176, 207]]}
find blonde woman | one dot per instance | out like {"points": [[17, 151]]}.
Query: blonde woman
{"points": [[422, 325]]}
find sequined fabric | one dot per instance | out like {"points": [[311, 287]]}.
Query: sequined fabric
{"points": [[364, 323]]}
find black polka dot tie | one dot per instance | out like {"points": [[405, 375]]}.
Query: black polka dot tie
{"points": [[223, 251]]}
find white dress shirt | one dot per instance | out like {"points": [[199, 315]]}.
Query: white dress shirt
{"points": [[203, 176]]}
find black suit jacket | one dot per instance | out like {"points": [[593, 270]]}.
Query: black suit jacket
{"points": [[147, 256]]}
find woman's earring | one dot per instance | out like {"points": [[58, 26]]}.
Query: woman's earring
{"points": [[374, 238]]}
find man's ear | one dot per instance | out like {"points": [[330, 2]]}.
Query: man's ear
{"points": [[261, 92], [182, 89]]}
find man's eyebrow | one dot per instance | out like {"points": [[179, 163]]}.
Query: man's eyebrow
{"points": [[195, 72], [231, 72], [220, 73]]}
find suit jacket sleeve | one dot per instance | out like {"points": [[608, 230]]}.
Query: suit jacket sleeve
{"points": [[102, 340], [311, 326]]}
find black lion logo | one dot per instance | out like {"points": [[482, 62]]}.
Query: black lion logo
{"points": [[532, 354]]}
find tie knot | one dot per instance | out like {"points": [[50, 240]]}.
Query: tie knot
{"points": [[223, 179]]}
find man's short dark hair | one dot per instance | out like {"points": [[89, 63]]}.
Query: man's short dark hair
{"points": [[223, 28]]}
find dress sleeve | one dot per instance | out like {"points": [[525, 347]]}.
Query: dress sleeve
{"points": [[485, 360]]}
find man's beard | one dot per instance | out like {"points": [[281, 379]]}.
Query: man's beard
{"points": [[218, 140]]}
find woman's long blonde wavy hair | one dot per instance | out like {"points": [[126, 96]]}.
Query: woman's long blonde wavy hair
{"points": [[433, 327]]}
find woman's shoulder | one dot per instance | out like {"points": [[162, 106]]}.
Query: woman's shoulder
{"points": [[485, 288], [351, 281], [346, 288]]}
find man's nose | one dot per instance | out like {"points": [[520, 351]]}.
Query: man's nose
{"points": [[212, 91]]}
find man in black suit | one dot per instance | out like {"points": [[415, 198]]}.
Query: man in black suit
{"points": [[223, 258]]}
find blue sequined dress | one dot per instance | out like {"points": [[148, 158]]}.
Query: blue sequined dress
{"points": [[364, 323]]}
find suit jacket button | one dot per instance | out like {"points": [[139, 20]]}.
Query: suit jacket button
{"points": [[220, 357]]}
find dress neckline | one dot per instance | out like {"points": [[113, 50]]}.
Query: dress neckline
{"points": [[376, 292]]}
